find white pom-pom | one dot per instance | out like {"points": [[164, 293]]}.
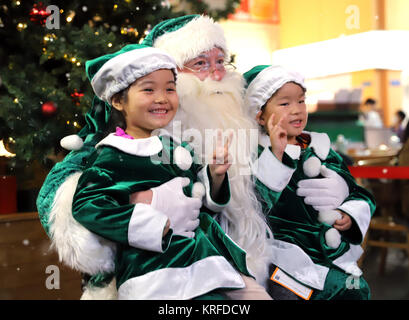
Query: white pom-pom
{"points": [[329, 216], [72, 142], [333, 238], [182, 158], [198, 190], [312, 167]]}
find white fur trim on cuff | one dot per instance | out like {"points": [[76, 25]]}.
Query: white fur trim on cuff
{"points": [[348, 261], [360, 211], [146, 227], [208, 201]]}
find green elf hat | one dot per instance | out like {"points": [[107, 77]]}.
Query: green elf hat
{"points": [[109, 75], [115, 72], [263, 81], [184, 38]]}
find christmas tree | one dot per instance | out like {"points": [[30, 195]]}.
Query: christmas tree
{"points": [[44, 92]]}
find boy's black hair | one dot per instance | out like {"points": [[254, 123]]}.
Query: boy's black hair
{"points": [[370, 101], [401, 115]]}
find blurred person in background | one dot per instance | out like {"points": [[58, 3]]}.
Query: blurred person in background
{"points": [[398, 126], [370, 114]]}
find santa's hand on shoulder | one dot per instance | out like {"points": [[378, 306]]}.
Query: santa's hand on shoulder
{"points": [[324, 193]]}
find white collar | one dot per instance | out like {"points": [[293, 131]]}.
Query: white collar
{"points": [[292, 150], [320, 142], [139, 147]]}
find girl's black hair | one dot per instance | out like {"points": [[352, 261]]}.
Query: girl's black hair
{"points": [[116, 118]]}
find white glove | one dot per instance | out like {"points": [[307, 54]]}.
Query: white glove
{"points": [[182, 211], [324, 193]]}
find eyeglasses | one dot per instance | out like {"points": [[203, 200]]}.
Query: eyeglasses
{"points": [[205, 65]]}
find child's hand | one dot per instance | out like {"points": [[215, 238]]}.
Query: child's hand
{"points": [[220, 160], [278, 136], [219, 163], [344, 223]]}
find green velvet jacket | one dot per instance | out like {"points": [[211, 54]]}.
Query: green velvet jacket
{"points": [[295, 225], [148, 266]]}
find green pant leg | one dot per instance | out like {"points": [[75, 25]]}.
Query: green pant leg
{"points": [[342, 286]]}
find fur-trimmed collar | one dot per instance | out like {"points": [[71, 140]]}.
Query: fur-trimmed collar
{"points": [[320, 142], [140, 147]]}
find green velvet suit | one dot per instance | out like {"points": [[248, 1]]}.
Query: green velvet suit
{"points": [[147, 266], [295, 225]]}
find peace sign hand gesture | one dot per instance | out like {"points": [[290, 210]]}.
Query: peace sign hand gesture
{"points": [[220, 160], [278, 136]]}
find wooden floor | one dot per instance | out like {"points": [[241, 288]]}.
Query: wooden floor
{"points": [[29, 270]]}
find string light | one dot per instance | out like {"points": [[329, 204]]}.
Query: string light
{"points": [[70, 16], [4, 152], [21, 26], [110, 45]]}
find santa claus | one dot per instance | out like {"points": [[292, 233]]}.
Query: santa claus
{"points": [[211, 95]]}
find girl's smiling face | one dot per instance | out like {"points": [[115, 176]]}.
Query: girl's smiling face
{"points": [[287, 102], [151, 104]]}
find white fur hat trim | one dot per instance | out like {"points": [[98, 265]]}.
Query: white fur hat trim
{"points": [[199, 35], [124, 69], [266, 83]]}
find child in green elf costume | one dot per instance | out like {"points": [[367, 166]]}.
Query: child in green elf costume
{"points": [[157, 254], [315, 248]]}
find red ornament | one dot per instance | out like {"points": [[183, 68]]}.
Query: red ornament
{"points": [[48, 108], [39, 14], [76, 97]]}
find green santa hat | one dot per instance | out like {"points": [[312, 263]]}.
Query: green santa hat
{"points": [[184, 38], [263, 81], [109, 75]]}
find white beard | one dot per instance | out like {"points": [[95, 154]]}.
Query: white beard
{"points": [[210, 105]]}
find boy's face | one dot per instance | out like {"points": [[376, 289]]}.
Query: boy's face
{"points": [[152, 103], [287, 103]]}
